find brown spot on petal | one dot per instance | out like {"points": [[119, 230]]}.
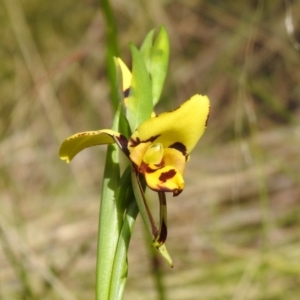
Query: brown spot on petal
{"points": [[175, 108], [151, 139], [145, 168], [83, 134], [164, 176], [134, 143], [180, 147], [207, 119], [126, 93]]}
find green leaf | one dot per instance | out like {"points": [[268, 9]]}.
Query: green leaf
{"points": [[146, 49], [159, 63], [124, 193], [120, 267], [109, 224], [139, 106]]}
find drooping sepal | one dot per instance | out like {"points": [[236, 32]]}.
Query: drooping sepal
{"points": [[79, 141]]}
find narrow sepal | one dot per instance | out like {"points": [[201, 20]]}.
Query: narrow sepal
{"points": [[79, 141]]}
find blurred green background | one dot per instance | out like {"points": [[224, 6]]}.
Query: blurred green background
{"points": [[234, 232]]}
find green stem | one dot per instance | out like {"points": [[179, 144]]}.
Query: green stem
{"points": [[158, 275], [157, 272], [139, 193]]}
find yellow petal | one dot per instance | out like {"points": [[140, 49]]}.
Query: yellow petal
{"points": [[166, 179], [138, 152], [179, 129], [77, 142], [174, 158], [126, 75]]}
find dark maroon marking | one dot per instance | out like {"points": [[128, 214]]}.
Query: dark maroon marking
{"points": [[144, 168], [168, 111], [122, 142], [163, 232], [160, 165], [152, 139], [180, 147], [164, 176], [175, 108], [160, 188], [126, 93], [165, 189], [176, 192], [149, 170], [134, 143], [207, 118], [82, 134]]}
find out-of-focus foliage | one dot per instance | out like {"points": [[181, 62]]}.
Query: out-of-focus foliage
{"points": [[234, 232]]}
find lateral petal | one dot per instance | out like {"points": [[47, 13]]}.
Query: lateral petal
{"points": [[138, 152], [126, 75], [79, 141], [174, 158], [166, 179], [180, 129]]}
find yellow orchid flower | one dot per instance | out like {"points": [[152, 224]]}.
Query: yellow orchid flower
{"points": [[158, 149]]}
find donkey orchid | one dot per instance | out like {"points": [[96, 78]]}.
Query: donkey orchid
{"points": [[158, 149]]}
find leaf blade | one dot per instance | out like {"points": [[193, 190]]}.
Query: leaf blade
{"points": [[139, 102]]}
